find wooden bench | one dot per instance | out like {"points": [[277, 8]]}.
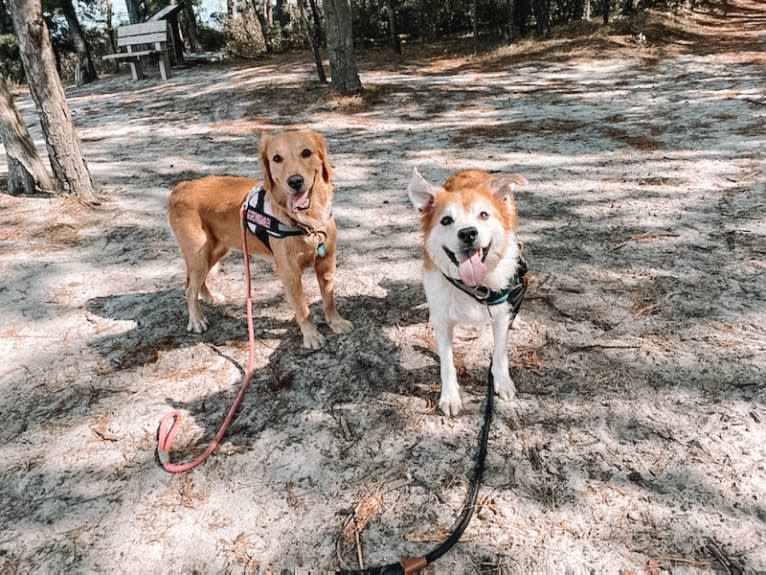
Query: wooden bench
{"points": [[140, 41]]}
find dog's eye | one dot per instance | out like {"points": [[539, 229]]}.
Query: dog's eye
{"points": [[483, 216], [277, 159], [446, 220], [305, 153]]}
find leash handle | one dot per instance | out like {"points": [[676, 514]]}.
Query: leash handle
{"points": [[169, 425]]}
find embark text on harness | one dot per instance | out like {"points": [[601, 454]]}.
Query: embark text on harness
{"points": [[257, 217]]}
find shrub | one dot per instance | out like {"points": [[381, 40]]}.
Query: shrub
{"points": [[212, 40], [10, 61]]}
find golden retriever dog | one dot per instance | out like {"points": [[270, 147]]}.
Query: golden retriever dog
{"points": [[294, 228], [472, 266]]}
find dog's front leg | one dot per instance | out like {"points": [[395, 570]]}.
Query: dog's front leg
{"points": [[292, 281], [449, 401], [503, 383], [325, 270]]}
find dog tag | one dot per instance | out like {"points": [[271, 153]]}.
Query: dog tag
{"points": [[321, 250]]}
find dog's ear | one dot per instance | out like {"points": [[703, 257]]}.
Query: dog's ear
{"points": [[268, 182], [421, 193], [321, 147], [503, 187]]}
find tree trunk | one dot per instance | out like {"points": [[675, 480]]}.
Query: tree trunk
{"points": [[606, 12], [189, 22], [542, 9], [577, 10], [261, 15], [315, 39], [69, 169], [246, 32], [586, 14], [393, 33], [4, 19], [87, 67], [521, 12], [26, 172], [340, 47], [316, 18], [268, 26], [512, 33], [475, 23], [136, 11], [283, 16], [109, 28]]}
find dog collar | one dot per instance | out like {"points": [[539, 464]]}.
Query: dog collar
{"points": [[513, 294], [257, 216]]}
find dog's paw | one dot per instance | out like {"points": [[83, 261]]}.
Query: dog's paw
{"points": [[504, 386], [211, 298], [199, 325], [450, 404], [312, 339], [340, 325]]}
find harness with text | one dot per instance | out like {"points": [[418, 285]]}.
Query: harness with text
{"points": [[258, 219]]}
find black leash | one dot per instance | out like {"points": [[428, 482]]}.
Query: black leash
{"points": [[409, 565], [513, 295]]}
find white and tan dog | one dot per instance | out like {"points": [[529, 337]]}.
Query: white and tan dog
{"points": [[471, 252]]}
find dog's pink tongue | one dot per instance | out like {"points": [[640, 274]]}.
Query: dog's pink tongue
{"points": [[300, 202], [473, 271]]}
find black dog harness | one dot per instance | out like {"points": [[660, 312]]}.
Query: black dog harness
{"points": [[513, 294], [263, 225]]}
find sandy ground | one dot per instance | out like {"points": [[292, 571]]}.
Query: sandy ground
{"points": [[636, 441]]}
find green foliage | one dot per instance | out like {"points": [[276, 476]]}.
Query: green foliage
{"points": [[212, 40], [153, 6], [577, 29], [244, 37], [254, 30], [50, 6], [10, 61], [630, 25], [430, 21], [677, 4]]}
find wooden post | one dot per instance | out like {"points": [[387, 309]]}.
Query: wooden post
{"points": [[164, 60], [136, 70]]}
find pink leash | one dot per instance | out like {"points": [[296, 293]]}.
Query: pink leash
{"points": [[169, 424]]}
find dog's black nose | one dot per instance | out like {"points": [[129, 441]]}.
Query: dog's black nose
{"points": [[295, 182], [468, 235]]}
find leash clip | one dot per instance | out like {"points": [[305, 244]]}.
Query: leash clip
{"points": [[321, 236], [481, 293]]}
